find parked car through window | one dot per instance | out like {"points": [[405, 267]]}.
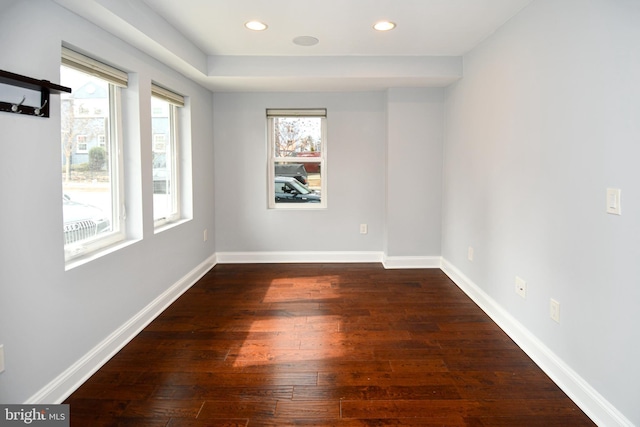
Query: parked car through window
{"points": [[290, 190], [82, 222]]}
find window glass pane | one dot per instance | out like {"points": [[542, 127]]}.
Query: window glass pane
{"points": [[293, 184], [296, 149], [297, 136], [89, 161], [165, 202]]}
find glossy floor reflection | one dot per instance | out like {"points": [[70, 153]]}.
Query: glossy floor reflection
{"points": [[322, 345]]}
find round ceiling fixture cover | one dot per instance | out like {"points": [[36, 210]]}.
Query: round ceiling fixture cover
{"points": [[305, 41]]}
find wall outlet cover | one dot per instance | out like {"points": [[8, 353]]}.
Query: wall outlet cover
{"points": [[521, 287]]}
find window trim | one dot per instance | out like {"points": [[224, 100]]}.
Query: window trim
{"points": [[175, 101], [272, 159], [90, 247]]}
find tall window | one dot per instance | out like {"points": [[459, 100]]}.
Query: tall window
{"points": [[165, 110], [92, 180], [297, 158]]}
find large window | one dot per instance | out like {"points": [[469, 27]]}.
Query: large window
{"points": [[297, 158], [165, 111], [91, 161]]}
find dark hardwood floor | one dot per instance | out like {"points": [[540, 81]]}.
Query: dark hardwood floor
{"points": [[322, 345]]}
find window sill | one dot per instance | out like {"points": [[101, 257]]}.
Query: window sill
{"points": [[298, 207], [84, 259], [169, 225]]}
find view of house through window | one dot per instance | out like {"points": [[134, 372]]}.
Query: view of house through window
{"points": [[297, 149], [90, 161], [165, 107]]}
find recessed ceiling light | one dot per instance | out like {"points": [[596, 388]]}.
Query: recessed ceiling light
{"points": [[256, 25], [384, 26], [305, 41]]}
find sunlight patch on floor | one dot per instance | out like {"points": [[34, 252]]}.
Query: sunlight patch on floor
{"points": [[298, 316]]}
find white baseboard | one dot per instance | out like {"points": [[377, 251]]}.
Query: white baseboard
{"points": [[390, 262], [584, 395], [296, 257], [74, 376], [329, 257]]}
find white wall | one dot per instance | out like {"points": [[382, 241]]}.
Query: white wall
{"points": [[384, 170], [49, 317], [413, 172], [355, 171], [545, 119]]}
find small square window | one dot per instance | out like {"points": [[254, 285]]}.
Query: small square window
{"points": [[81, 144], [159, 142]]}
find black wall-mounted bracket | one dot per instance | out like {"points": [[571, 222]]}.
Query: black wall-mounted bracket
{"points": [[45, 88]]}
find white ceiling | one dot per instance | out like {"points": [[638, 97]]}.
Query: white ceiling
{"points": [[343, 27], [207, 41]]}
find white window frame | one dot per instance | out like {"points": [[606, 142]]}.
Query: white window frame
{"points": [[117, 80], [272, 159], [176, 103]]}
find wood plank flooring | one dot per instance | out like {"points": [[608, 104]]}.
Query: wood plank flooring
{"points": [[322, 345]]}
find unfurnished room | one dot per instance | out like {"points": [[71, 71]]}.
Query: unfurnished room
{"points": [[320, 213]]}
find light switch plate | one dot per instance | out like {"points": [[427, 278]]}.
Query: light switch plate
{"points": [[613, 201]]}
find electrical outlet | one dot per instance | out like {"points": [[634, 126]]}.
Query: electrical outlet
{"points": [[554, 310], [1, 358], [521, 287], [205, 235], [470, 253], [364, 229]]}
